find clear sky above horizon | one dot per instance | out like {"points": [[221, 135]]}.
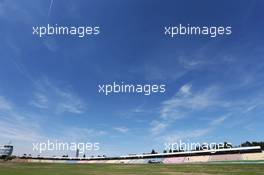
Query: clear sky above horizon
{"points": [[49, 85]]}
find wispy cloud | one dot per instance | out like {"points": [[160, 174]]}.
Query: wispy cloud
{"points": [[5, 104], [9, 9], [51, 44], [184, 104], [153, 72], [15, 124], [190, 64], [157, 127], [185, 90], [185, 100], [78, 133], [185, 135], [24, 128], [139, 109], [250, 108], [50, 7], [40, 101], [121, 129], [17, 130], [51, 97], [219, 120]]}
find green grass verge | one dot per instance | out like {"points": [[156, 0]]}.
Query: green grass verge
{"points": [[151, 169]]}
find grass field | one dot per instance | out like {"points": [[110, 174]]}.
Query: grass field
{"points": [[151, 169]]}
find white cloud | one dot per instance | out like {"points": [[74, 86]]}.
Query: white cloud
{"points": [[219, 120], [24, 128], [16, 130], [152, 72], [189, 64], [79, 134], [51, 97], [14, 12], [70, 103], [185, 90], [250, 108], [139, 109], [121, 129], [51, 44], [183, 104], [180, 65], [185, 100], [40, 101], [157, 127], [17, 125], [5, 104], [184, 135]]}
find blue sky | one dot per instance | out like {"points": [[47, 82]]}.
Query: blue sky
{"points": [[49, 85]]}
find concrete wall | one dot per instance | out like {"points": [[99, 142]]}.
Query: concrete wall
{"points": [[170, 160]]}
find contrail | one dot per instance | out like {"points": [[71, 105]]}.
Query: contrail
{"points": [[51, 3]]}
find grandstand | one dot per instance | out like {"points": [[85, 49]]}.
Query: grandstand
{"points": [[205, 156], [197, 159], [226, 157], [174, 160], [253, 156]]}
